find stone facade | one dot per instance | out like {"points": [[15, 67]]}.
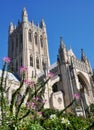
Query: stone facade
{"points": [[28, 46]]}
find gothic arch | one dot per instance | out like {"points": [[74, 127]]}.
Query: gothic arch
{"points": [[83, 91], [56, 79], [55, 87], [83, 77], [83, 81]]}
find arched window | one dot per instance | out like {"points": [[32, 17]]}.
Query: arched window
{"points": [[41, 41], [55, 87], [29, 36], [35, 38], [37, 63], [31, 61]]}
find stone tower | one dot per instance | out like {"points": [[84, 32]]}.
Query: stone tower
{"points": [[28, 46]]}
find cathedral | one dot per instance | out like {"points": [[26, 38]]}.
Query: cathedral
{"points": [[28, 46]]}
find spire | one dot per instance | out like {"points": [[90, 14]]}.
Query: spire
{"points": [[42, 24], [62, 45], [83, 57], [24, 15], [11, 28]]}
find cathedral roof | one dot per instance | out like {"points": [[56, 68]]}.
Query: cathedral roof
{"points": [[70, 53], [10, 76]]}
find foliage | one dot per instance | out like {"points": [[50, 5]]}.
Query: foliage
{"points": [[66, 122], [32, 126], [92, 108], [12, 114], [48, 111]]}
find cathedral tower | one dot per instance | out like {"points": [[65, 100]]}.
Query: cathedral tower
{"points": [[28, 46]]}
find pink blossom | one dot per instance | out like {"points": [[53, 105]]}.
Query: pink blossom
{"points": [[33, 104], [26, 81], [31, 83], [23, 69], [76, 96], [28, 104], [50, 75], [7, 59], [39, 113], [37, 98]]}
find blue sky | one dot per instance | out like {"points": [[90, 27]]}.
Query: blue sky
{"points": [[71, 19]]}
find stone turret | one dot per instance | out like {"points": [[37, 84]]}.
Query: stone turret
{"points": [[83, 57], [43, 25], [11, 28], [62, 45], [63, 51], [24, 15]]}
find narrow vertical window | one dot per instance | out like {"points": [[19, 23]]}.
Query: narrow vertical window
{"points": [[37, 63], [32, 74], [16, 42], [35, 38], [12, 52], [21, 38], [16, 65], [16, 50], [43, 64], [12, 45], [29, 36], [31, 61], [41, 41], [21, 61]]}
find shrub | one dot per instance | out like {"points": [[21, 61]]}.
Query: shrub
{"points": [[13, 115]]}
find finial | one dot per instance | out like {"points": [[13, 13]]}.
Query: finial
{"points": [[24, 15], [11, 27], [24, 9], [83, 57], [11, 24], [62, 45], [42, 24]]}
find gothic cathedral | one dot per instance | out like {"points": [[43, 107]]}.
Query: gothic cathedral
{"points": [[28, 46]]}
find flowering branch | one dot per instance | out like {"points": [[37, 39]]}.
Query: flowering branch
{"points": [[76, 97]]}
